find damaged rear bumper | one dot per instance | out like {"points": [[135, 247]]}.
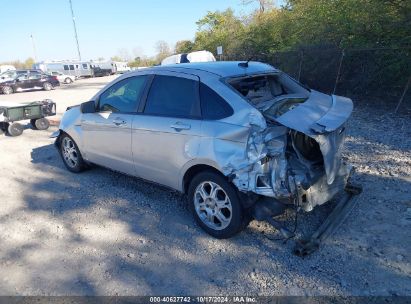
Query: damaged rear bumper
{"points": [[276, 166], [321, 192]]}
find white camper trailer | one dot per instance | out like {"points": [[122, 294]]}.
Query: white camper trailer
{"points": [[115, 66], [73, 68], [121, 67]]}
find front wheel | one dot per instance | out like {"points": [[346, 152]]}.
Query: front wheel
{"points": [[7, 90], [71, 155], [215, 205]]}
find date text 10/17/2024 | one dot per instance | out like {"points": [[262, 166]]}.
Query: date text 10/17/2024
{"points": [[203, 299]]}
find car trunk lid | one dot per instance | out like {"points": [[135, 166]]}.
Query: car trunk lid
{"points": [[321, 117]]}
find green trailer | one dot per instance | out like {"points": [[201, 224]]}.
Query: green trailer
{"points": [[36, 112]]}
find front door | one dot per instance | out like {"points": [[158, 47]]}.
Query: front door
{"points": [[166, 134], [107, 133], [22, 82]]}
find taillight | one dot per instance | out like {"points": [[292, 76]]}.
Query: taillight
{"points": [[54, 77]]}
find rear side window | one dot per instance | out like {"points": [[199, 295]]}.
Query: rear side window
{"points": [[66, 67], [173, 97], [213, 106]]}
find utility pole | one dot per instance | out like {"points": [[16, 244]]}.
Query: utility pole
{"points": [[75, 30], [34, 47]]}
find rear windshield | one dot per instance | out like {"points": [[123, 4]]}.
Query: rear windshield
{"points": [[259, 89]]}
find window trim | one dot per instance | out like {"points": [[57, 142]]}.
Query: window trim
{"points": [[139, 98], [197, 101]]}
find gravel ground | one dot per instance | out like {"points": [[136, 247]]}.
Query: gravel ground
{"points": [[103, 233]]}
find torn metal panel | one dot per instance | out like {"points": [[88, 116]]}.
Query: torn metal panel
{"points": [[322, 118], [267, 170]]}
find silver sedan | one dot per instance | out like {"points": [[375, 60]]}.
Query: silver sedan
{"points": [[228, 134]]}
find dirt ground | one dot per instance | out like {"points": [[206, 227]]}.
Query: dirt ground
{"points": [[103, 233]]}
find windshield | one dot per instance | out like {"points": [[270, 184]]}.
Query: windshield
{"points": [[8, 74]]}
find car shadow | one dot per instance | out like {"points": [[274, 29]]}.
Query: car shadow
{"points": [[105, 233]]}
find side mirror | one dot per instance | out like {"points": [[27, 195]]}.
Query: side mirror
{"points": [[88, 107]]}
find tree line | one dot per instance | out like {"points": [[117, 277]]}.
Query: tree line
{"points": [[300, 23]]}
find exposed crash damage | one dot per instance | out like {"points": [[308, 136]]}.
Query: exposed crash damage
{"points": [[294, 156]]}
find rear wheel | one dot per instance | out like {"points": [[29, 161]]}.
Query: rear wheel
{"points": [[68, 80], [7, 90], [15, 129], [47, 86], [71, 155], [215, 205], [40, 124]]}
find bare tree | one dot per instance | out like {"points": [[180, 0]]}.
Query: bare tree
{"points": [[138, 51], [163, 50], [124, 54], [264, 4]]}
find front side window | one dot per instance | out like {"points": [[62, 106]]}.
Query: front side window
{"points": [[173, 97], [71, 67], [213, 106], [85, 66], [22, 77], [123, 96]]}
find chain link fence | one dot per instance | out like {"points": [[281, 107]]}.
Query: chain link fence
{"points": [[378, 74]]}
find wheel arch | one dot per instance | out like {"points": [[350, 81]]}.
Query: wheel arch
{"points": [[193, 170]]}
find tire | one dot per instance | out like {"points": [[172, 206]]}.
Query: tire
{"points": [[40, 124], [15, 129], [7, 90], [70, 154], [47, 86], [205, 190], [68, 80]]}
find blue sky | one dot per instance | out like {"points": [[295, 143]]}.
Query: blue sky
{"points": [[104, 27]]}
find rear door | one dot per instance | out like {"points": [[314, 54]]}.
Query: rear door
{"points": [[166, 133], [107, 133], [35, 80]]}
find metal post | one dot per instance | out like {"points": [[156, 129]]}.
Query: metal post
{"points": [[75, 30], [34, 47], [403, 94], [301, 65], [339, 71]]}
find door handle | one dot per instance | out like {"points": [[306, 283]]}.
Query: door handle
{"points": [[178, 126], [118, 121]]}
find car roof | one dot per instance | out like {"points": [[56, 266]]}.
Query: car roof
{"points": [[220, 68]]}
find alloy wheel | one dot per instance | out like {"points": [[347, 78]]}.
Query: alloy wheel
{"points": [[213, 206], [70, 153]]}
